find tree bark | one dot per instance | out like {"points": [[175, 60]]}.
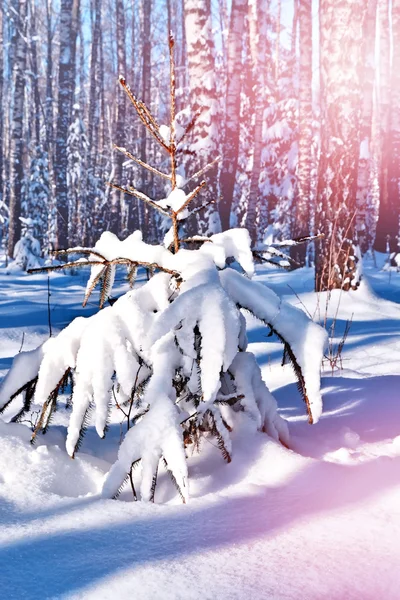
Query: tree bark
{"points": [[387, 226], [93, 124], [394, 142], [261, 54], [118, 159], [49, 84], [232, 110], [66, 85], [1, 107], [17, 138], [145, 143], [204, 135], [341, 31], [304, 166], [365, 158], [35, 73]]}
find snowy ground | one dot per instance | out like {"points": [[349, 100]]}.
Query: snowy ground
{"points": [[319, 521]]}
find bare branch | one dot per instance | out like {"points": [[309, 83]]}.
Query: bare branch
{"points": [[70, 265], [142, 163], [172, 145], [191, 123], [78, 250], [132, 192], [144, 114], [93, 285], [191, 197], [204, 169], [196, 239], [202, 207], [146, 265]]}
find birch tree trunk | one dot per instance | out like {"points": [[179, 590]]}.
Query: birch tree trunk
{"points": [[387, 227], [261, 54], [365, 158], [93, 124], [394, 146], [232, 110], [66, 85], [1, 107], [118, 159], [17, 137], [49, 83], [301, 219], [341, 29], [145, 142], [205, 133], [33, 38]]}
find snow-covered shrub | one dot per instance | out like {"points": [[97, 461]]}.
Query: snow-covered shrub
{"points": [[27, 250], [175, 352]]}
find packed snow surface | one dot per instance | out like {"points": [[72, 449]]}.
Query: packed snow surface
{"points": [[321, 520]]}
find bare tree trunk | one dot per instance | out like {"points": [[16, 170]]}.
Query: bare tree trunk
{"points": [[365, 159], [278, 41], [49, 83], [305, 159], [118, 159], [261, 53], [387, 228], [394, 164], [17, 138], [295, 23], [146, 180], [66, 85], [204, 136], [1, 107], [183, 79], [232, 110], [93, 128], [341, 30], [35, 73], [223, 22]]}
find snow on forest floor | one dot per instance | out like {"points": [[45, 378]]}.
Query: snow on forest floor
{"points": [[319, 521]]}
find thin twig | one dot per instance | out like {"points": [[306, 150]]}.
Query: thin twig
{"points": [[204, 169], [78, 250], [172, 145], [22, 342], [70, 265], [142, 163], [48, 305], [191, 196], [202, 207], [132, 192], [144, 114], [133, 395]]}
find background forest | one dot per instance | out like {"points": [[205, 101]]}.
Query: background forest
{"points": [[300, 101]]}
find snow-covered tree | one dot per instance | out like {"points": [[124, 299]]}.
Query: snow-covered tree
{"points": [[36, 202], [172, 352], [77, 147], [27, 251]]}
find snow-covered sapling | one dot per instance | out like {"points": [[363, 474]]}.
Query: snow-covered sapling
{"points": [[172, 351], [27, 253]]}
